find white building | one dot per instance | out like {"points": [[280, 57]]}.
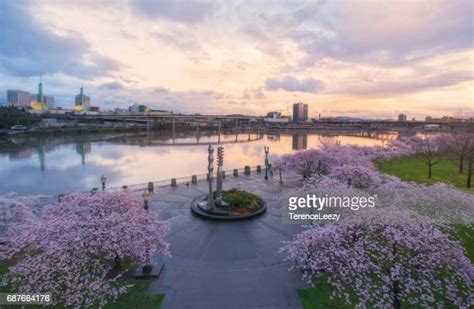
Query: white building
{"points": [[276, 117], [18, 98]]}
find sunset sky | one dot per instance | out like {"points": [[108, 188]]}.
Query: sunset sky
{"points": [[343, 58]]}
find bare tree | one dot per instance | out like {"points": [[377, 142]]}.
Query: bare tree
{"points": [[427, 151], [469, 157], [456, 147]]}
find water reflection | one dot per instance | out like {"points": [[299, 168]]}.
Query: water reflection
{"points": [[51, 165], [299, 141]]}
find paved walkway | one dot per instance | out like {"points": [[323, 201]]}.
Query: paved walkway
{"points": [[226, 264]]}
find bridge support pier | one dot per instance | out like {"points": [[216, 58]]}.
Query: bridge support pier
{"points": [[173, 130], [198, 134]]}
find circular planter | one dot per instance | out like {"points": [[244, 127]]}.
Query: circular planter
{"points": [[222, 213]]}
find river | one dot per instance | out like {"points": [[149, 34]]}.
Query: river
{"points": [[60, 164]]}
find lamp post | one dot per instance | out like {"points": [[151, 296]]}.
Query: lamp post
{"points": [[146, 198], [267, 150], [103, 180], [147, 268]]}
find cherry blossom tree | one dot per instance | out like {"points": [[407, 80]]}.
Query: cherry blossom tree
{"points": [[304, 162], [383, 258], [16, 211], [280, 165], [439, 200], [359, 176], [77, 248]]}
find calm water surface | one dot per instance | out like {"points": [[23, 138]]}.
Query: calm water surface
{"points": [[52, 165]]}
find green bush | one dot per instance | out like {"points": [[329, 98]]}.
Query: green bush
{"points": [[242, 199]]}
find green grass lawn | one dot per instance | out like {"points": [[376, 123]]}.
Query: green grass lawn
{"points": [[411, 169], [137, 297], [407, 169]]}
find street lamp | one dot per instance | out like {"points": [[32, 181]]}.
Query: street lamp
{"points": [[146, 198], [267, 150], [147, 268], [103, 180]]}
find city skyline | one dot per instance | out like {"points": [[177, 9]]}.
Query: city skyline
{"points": [[244, 57]]}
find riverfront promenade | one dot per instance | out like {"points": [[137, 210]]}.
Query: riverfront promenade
{"points": [[226, 264]]}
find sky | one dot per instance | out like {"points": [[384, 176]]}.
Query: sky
{"points": [[342, 58]]}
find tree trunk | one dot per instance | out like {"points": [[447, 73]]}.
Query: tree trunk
{"points": [[461, 165], [429, 170], [469, 174], [118, 263], [281, 180], [396, 292]]}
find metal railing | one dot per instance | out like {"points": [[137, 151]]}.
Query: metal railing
{"points": [[180, 180]]}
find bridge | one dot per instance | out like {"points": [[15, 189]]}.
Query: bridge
{"points": [[171, 121]]}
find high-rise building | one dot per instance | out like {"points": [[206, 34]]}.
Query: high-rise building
{"points": [[49, 101], [82, 101], [300, 112], [40, 98], [402, 117], [37, 101], [18, 98]]}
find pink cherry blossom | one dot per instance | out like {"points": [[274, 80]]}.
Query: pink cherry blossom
{"points": [[76, 248]]}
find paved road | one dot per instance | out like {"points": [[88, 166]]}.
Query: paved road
{"points": [[226, 264]]}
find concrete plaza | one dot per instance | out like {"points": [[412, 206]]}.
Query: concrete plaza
{"points": [[226, 264]]}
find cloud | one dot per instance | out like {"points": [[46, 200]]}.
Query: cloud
{"points": [[253, 93], [29, 49], [184, 11], [160, 90], [111, 86], [290, 83], [367, 32], [413, 84]]}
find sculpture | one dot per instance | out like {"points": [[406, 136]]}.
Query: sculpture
{"points": [[220, 163], [210, 176]]}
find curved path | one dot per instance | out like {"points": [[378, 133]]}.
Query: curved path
{"points": [[226, 264]]}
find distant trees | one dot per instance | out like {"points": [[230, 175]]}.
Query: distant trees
{"points": [[10, 116], [456, 147], [459, 147]]}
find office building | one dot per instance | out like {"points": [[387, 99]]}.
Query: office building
{"points": [[18, 98], [139, 108], [300, 112], [82, 101], [402, 117], [49, 101]]}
